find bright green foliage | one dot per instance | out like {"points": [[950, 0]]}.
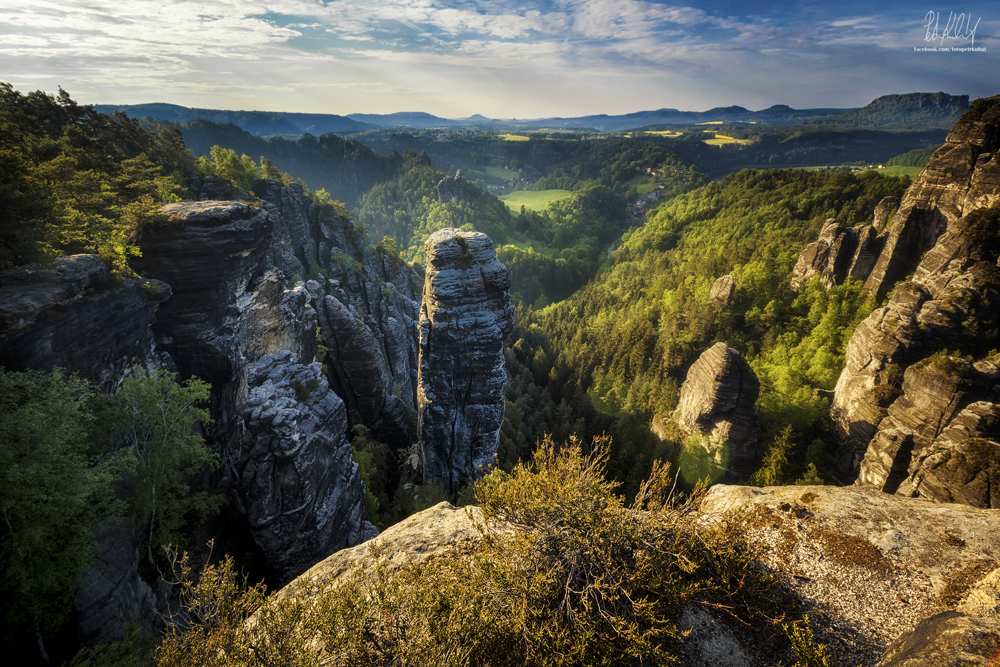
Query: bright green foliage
{"points": [[52, 494], [73, 180], [625, 340], [565, 573], [156, 423]]}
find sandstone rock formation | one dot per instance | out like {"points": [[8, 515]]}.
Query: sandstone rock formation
{"points": [[839, 253], [866, 566], [302, 491], [919, 439], [75, 316], [722, 290], [450, 188], [466, 314], [718, 399]]}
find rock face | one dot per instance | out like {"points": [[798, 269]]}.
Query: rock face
{"points": [[867, 566], [722, 290], [450, 188], [934, 435], [718, 398], [839, 253], [77, 317], [303, 493], [466, 314]]}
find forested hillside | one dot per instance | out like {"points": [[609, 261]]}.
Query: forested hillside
{"points": [[612, 356]]}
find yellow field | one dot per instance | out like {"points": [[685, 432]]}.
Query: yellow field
{"points": [[664, 133], [514, 137], [710, 122], [722, 140]]}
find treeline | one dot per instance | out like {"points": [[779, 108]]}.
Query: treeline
{"points": [[915, 158], [614, 355], [74, 180], [343, 167]]}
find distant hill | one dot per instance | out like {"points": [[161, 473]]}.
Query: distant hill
{"points": [[260, 123], [912, 109]]}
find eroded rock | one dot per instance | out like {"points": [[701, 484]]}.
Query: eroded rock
{"points": [[889, 436], [718, 399], [722, 290], [302, 491], [465, 316]]}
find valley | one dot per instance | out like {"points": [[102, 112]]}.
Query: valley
{"points": [[362, 323]]}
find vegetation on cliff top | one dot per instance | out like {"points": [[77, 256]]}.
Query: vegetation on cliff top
{"points": [[565, 573]]}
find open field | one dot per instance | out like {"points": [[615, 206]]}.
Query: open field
{"points": [[710, 122], [912, 172], [536, 200], [514, 137], [664, 133], [722, 140]]}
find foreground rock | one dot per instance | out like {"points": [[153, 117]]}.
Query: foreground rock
{"points": [[466, 314], [914, 409], [303, 493], [718, 400], [867, 567]]}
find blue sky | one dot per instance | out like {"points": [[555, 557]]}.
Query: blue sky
{"points": [[499, 58]]}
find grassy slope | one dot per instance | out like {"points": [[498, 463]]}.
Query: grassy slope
{"points": [[536, 200]]}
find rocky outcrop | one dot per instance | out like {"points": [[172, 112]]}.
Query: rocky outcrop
{"points": [[839, 253], [948, 639], [894, 437], [718, 399], [867, 567], [302, 491], [450, 188], [229, 307], [466, 314], [722, 290], [111, 593], [76, 316]]}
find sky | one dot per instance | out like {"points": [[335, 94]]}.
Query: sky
{"points": [[498, 58]]}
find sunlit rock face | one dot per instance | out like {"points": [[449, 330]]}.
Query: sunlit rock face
{"points": [[914, 409], [465, 316]]}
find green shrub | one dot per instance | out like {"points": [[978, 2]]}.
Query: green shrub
{"points": [[565, 573]]}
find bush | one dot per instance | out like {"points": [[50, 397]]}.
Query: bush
{"points": [[565, 573]]}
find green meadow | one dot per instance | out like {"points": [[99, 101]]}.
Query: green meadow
{"points": [[536, 200]]}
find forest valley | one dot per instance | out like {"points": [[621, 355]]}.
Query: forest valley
{"points": [[611, 288]]}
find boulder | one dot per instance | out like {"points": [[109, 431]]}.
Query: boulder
{"points": [[722, 290], [718, 399], [465, 316], [948, 639], [302, 491], [839, 253]]}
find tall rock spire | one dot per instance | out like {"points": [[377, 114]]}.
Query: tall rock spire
{"points": [[465, 316]]}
